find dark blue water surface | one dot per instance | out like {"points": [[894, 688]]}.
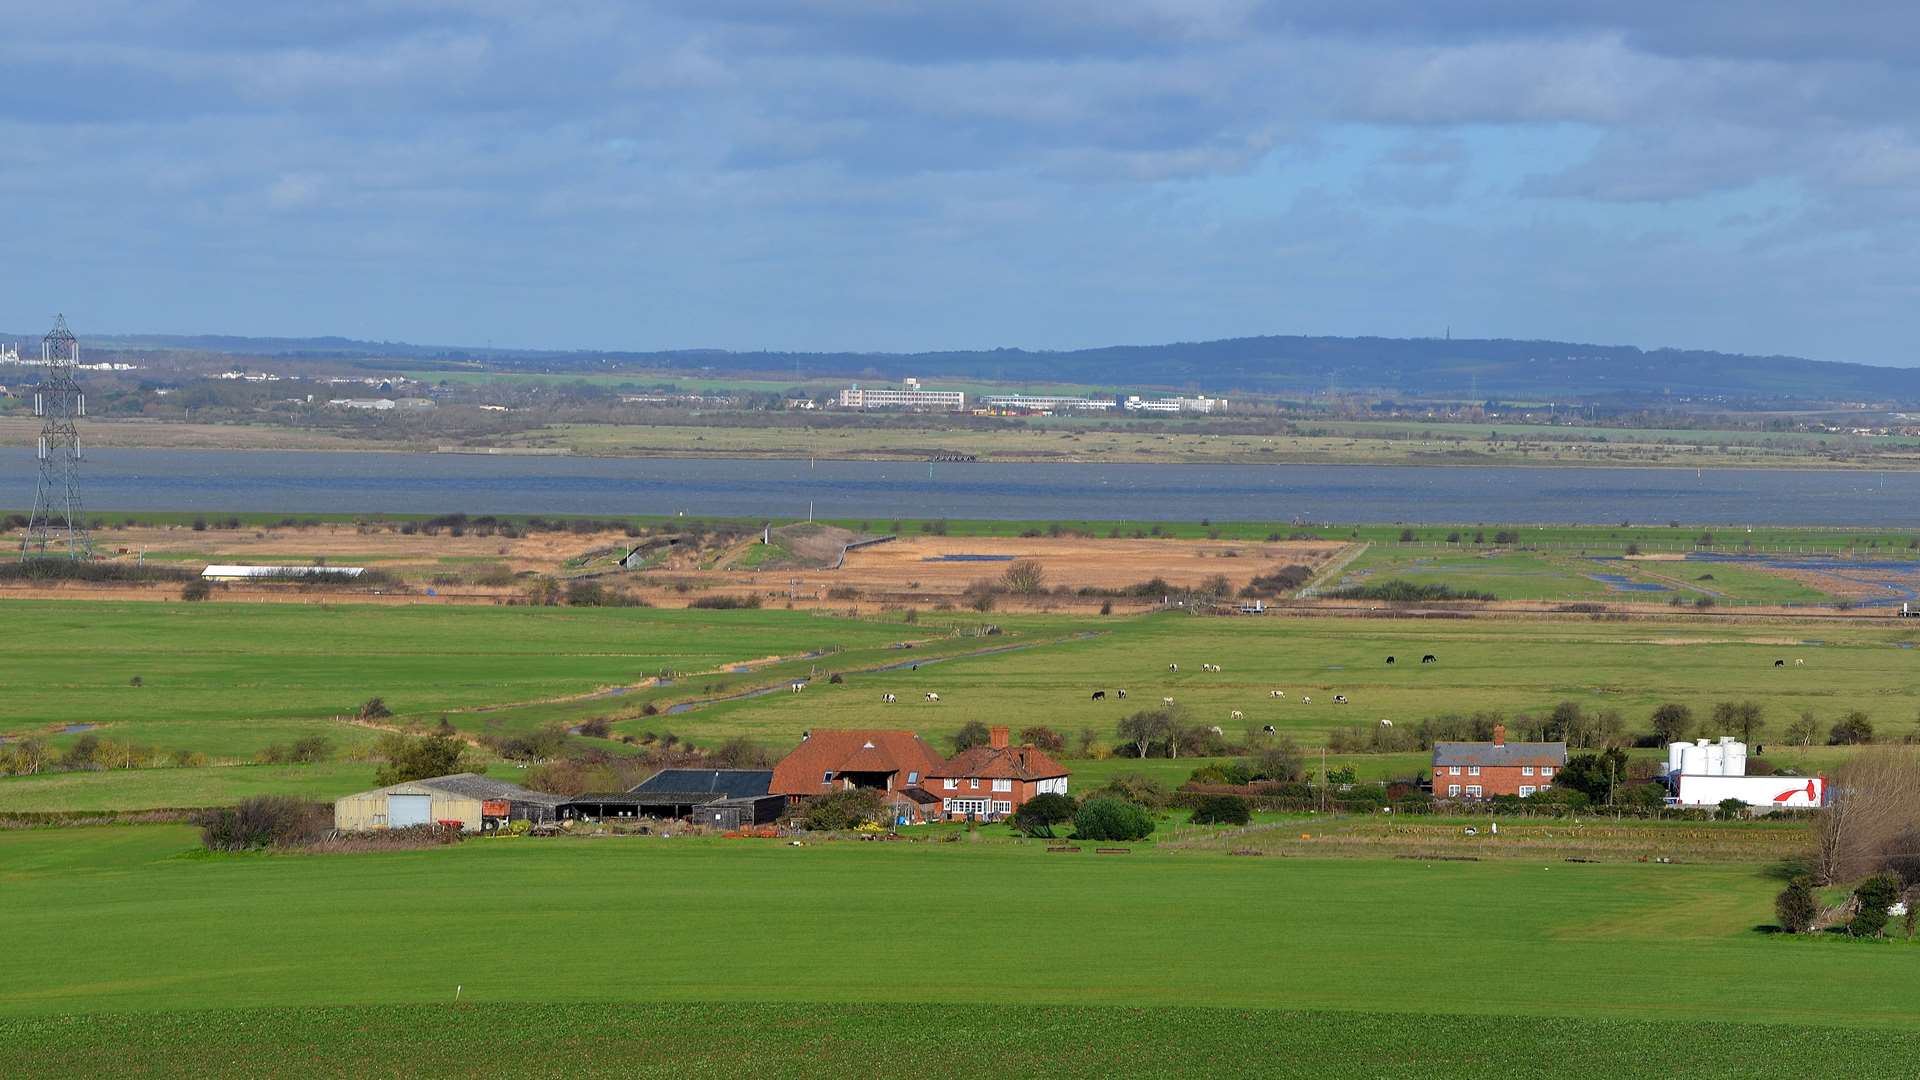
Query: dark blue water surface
{"points": [[295, 482]]}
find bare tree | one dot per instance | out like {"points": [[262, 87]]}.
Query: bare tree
{"points": [[1146, 727], [1805, 729], [1872, 799], [1025, 578]]}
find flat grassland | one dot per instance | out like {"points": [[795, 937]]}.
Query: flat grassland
{"points": [[714, 957], [227, 680]]}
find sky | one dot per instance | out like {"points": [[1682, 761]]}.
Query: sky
{"points": [[872, 175]]}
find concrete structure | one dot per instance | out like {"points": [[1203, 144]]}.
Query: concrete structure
{"points": [[226, 572], [911, 395], [990, 782], [1481, 770], [470, 800]]}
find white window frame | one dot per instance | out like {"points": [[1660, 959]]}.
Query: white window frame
{"points": [[1526, 791], [973, 782], [1546, 770], [1002, 806], [1003, 785], [913, 776], [1473, 770], [1474, 791], [950, 784], [1526, 770], [1453, 770], [827, 777], [1453, 791]]}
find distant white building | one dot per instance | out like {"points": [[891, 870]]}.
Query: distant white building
{"points": [[1049, 403], [910, 395], [1203, 405], [1706, 773]]}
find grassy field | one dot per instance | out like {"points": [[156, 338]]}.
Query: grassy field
{"points": [[1112, 952], [1568, 575]]}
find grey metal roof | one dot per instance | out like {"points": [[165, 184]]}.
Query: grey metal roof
{"points": [[1488, 754], [475, 786], [725, 783]]}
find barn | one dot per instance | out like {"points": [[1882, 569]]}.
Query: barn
{"points": [[476, 802], [718, 798]]}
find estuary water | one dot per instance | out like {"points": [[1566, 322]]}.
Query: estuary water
{"points": [[294, 482]]}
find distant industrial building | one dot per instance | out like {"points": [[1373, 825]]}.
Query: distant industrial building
{"points": [[910, 395], [1048, 403], [224, 572], [1202, 405], [1705, 773]]}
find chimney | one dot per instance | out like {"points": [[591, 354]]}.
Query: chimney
{"points": [[1499, 734], [997, 736]]}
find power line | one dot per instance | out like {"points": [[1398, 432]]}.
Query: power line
{"points": [[58, 518]]}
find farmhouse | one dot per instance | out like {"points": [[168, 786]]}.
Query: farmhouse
{"points": [[827, 761], [719, 798], [992, 781], [1479, 770], [475, 802]]}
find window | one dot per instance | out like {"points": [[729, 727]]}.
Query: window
{"points": [[1473, 770], [1526, 790], [913, 777], [1003, 785], [951, 783], [1453, 791], [974, 783], [1546, 770], [827, 777], [1002, 807], [1473, 791], [1453, 770], [1526, 770]]}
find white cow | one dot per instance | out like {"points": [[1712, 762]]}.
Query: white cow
{"points": [[1277, 693], [1166, 701], [888, 699], [1236, 715], [931, 696]]}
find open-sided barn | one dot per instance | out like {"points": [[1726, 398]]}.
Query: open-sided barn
{"points": [[718, 798]]}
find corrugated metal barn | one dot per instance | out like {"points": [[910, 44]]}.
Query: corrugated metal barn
{"points": [[717, 798], [474, 801]]}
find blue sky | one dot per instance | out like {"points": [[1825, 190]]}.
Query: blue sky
{"points": [[858, 174]]}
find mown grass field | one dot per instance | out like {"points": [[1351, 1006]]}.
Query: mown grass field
{"points": [[1572, 576], [598, 953]]}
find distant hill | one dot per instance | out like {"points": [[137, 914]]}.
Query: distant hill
{"points": [[1281, 365]]}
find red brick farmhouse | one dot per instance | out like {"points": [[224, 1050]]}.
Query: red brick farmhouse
{"points": [[1481, 770]]}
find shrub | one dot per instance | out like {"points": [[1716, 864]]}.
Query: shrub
{"points": [[1400, 591], [1038, 815], [1853, 729], [844, 810], [1730, 809], [1044, 738], [409, 758], [1135, 788], [374, 709], [1875, 895], [971, 734], [1222, 810], [1024, 578], [725, 603], [1796, 906], [741, 752], [1108, 818], [597, 728], [261, 821], [196, 590]]}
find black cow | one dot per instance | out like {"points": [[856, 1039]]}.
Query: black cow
{"points": [[1429, 659], [1122, 694], [1389, 659], [1779, 663], [1269, 729], [1099, 695]]}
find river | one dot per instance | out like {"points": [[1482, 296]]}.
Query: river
{"points": [[295, 482]]}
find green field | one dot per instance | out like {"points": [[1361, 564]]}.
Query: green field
{"points": [[1570, 575], [1155, 963]]}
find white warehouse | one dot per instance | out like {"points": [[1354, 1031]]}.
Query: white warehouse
{"points": [[1707, 773]]}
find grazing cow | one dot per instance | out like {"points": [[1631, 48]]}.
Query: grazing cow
{"points": [[797, 687], [1339, 699], [1173, 667], [1268, 729], [1389, 659], [1386, 723], [1305, 700], [1236, 715], [1779, 663], [1215, 730], [1429, 659], [1099, 695], [1166, 701], [1797, 661], [931, 696], [1277, 693], [887, 699], [1122, 694]]}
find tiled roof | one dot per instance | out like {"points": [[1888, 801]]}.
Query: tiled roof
{"points": [[903, 752], [1005, 763], [1496, 755]]}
